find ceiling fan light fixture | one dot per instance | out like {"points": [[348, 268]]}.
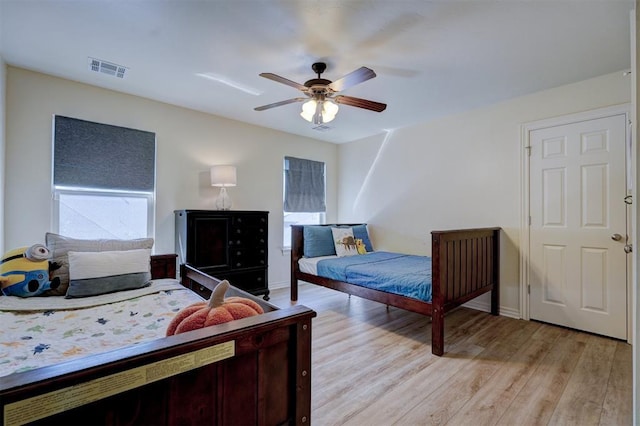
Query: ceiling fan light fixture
{"points": [[319, 112]]}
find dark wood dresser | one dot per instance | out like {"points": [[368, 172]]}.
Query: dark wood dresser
{"points": [[227, 244]]}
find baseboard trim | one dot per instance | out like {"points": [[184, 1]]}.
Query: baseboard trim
{"points": [[486, 307], [278, 284]]}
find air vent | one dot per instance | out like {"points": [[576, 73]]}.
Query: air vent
{"points": [[109, 68], [322, 128]]}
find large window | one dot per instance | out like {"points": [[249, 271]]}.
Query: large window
{"points": [[103, 180], [304, 194]]}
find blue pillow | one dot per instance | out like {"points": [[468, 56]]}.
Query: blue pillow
{"points": [[360, 231], [318, 241]]}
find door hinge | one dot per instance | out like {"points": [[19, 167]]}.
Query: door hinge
{"points": [[528, 288], [528, 148], [529, 220]]}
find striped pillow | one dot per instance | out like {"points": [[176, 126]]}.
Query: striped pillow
{"points": [[94, 273], [60, 245]]}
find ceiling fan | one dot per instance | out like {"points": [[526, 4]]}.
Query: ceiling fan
{"points": [[321, 106]]}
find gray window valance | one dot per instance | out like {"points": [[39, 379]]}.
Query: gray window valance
{"points": [[304, 185], [101, 156]]}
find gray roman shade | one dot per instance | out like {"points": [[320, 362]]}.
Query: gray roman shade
{"points": [[101, 156], [303, 185]]}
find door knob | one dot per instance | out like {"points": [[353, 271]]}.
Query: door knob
{"points": [[628, 248], [616, 237]]}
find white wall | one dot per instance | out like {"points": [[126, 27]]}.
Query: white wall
{"points": [[457, 172], [188, 143], [3, 79]]}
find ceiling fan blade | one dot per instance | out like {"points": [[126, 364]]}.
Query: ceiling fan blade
{"points": [[353, 78], [360, 103], [283, 80], [277, 104]]}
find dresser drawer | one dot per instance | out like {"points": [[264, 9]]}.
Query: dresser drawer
{"points": [[240, 230], [247, 239], [250, 220], [252, 281], [247, 258]]}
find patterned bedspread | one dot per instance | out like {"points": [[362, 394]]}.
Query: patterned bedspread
{"points": [[34, 339]]}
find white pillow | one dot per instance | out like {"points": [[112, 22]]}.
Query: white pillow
{"points": [[344, 241], [93, 273]]}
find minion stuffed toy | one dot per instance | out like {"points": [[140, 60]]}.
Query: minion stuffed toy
{"points": [[25, 272]]}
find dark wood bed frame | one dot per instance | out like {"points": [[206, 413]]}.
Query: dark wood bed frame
{"points": [[465, 264], [255, 370]]}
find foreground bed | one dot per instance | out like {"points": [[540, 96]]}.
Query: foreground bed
{"points": [[465, 264], [251, 371]]}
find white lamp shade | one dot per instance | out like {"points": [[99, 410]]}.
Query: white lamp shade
{"points": [[223, 176], [329, 111], [308, 110]]}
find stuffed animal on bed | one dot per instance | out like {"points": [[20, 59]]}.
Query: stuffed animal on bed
{"points": [[217, 310], [25, 271]]}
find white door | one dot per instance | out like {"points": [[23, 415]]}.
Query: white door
{"points": [[577, 263]]}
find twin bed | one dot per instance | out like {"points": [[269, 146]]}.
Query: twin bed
{"points": [[61, 366], [464, 265]]}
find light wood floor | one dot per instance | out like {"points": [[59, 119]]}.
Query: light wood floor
{"points": [[373, 366]]}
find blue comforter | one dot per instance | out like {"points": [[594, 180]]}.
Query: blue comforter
{"points": [[404, 274]]}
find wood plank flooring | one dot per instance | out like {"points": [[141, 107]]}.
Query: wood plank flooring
{"points": [[372, 365]]}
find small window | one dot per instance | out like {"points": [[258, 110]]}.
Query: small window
{"points": [[103, 180], [304, 194]]}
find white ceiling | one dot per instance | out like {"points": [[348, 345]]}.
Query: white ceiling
{"points": [[432, 58]]}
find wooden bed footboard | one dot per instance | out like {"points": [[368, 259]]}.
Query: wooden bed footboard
{"points": [[255, 370], [465, 264]]}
